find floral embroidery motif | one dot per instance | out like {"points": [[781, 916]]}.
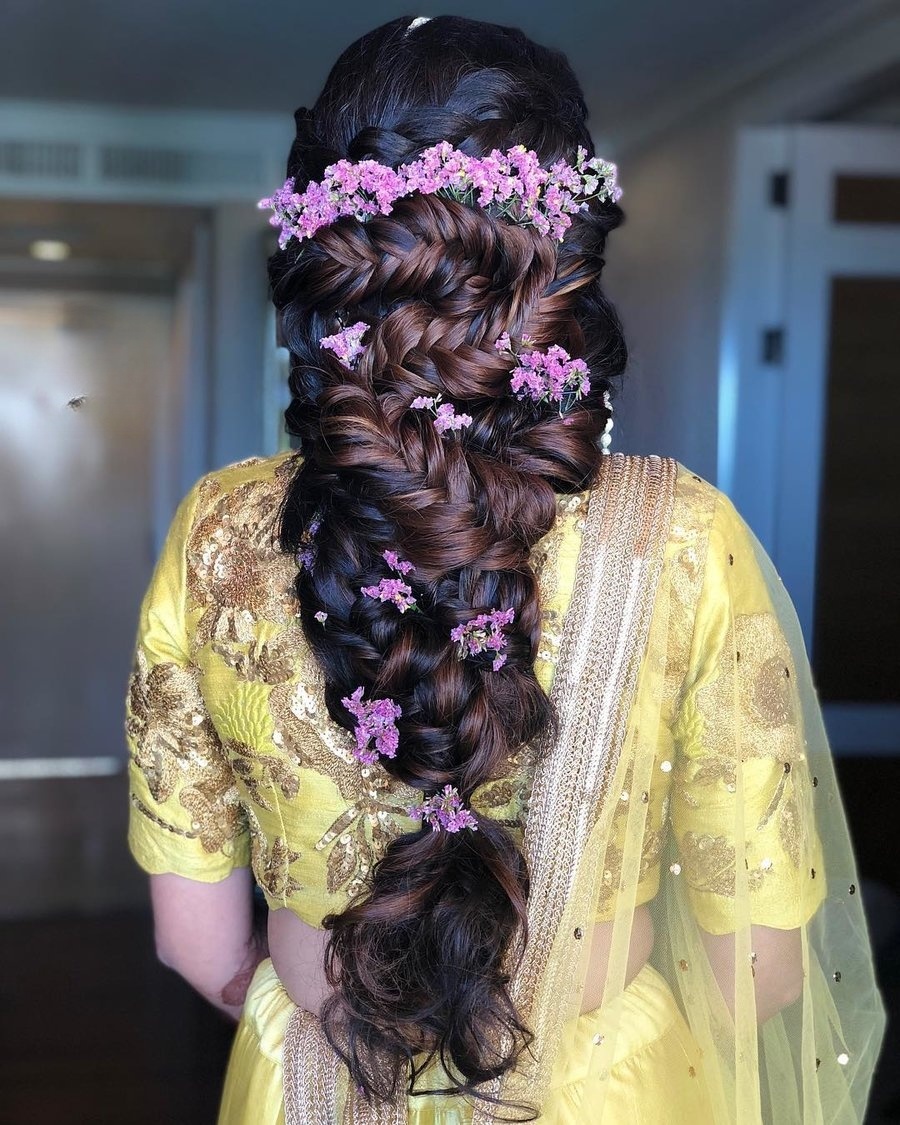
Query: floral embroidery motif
{"points": [[710, 864], [176, 748], [755, 652], [271, 862], [235, 571]]}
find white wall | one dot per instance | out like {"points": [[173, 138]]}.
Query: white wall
{"points": [[666, 264]]}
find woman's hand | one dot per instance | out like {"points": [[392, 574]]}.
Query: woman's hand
{"points": [[205, 932]]}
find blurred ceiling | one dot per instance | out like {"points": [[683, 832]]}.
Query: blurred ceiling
{"points": [[631, 55], [123, 246]]}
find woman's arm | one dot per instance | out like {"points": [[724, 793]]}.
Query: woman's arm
{"points": [[205, 932], [777, 968]]}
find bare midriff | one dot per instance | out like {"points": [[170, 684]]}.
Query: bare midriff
{"points": [[296, 949]]}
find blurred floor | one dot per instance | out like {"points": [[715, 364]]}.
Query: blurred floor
{"points": [[94, 1031]]}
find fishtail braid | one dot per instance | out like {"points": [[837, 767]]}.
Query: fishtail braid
{"points": [[417, 963]]}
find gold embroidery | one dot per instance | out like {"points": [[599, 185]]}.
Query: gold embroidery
{"points": [[270, 862], [692, 515], [175, 745], [235, 570], [216, 812], [259, 772], [270, 660], [765, 708], [158, 820], [709, 863]]}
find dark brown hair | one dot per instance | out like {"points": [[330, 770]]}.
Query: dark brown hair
{"points": [[417, 963]]}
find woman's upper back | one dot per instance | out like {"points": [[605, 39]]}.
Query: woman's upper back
{"points": [[235, 759]]}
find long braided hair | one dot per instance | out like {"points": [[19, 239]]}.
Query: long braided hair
{"points": [[417, 963]]}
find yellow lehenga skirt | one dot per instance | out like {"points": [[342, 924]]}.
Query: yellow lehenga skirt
{"points": [[656, 1074]]}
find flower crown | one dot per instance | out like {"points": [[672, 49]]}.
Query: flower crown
{"points": [[514, 182]]}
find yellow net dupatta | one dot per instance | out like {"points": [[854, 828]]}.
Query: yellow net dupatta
{"points": [[689, 784], [569, 814]]}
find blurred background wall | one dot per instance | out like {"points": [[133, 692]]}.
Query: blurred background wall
{"points": [[758, 276]]}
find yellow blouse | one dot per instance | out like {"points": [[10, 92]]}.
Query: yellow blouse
{"points": [[235, 761]]}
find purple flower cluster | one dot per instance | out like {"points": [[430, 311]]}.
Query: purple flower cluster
{"points": [[306, 554], [305, 557], [446, 811], [445, 416], [550, 376], [398, 565], [484, 633], [375, 723], [514, 182], [393, 589], [347, 344]]}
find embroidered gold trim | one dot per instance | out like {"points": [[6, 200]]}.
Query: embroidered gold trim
{"points": [[605, 636]]}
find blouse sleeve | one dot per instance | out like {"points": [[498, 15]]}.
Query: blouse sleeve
{"points": [[742, 808], [185, 815]]}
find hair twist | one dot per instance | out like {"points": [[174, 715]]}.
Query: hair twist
{"points": [[417, 963]]}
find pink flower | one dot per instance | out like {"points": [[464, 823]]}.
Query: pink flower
{"points": [[375, 723], [446, 419], [549, 376], [391, 590], [513, 182], [398, 565], [446, 811], [346, 344], [484, 633], [321, 616], [445, 416]]}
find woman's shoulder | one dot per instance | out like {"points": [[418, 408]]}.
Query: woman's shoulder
{"points": [[248, 489], [250, 471]]}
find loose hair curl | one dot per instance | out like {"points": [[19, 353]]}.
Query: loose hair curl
{"points": [[417, 963]]}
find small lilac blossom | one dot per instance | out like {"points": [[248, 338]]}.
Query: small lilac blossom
{"points": [[375, 723], [549, 376], [513, 182], [321, 616], [445, 416], [347, 344], [305, 557], [445, 811], [484, 633], [398, 565], [393, 590], [446, 419]]}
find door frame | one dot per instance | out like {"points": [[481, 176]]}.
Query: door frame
{"points": [[783, 251]]}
